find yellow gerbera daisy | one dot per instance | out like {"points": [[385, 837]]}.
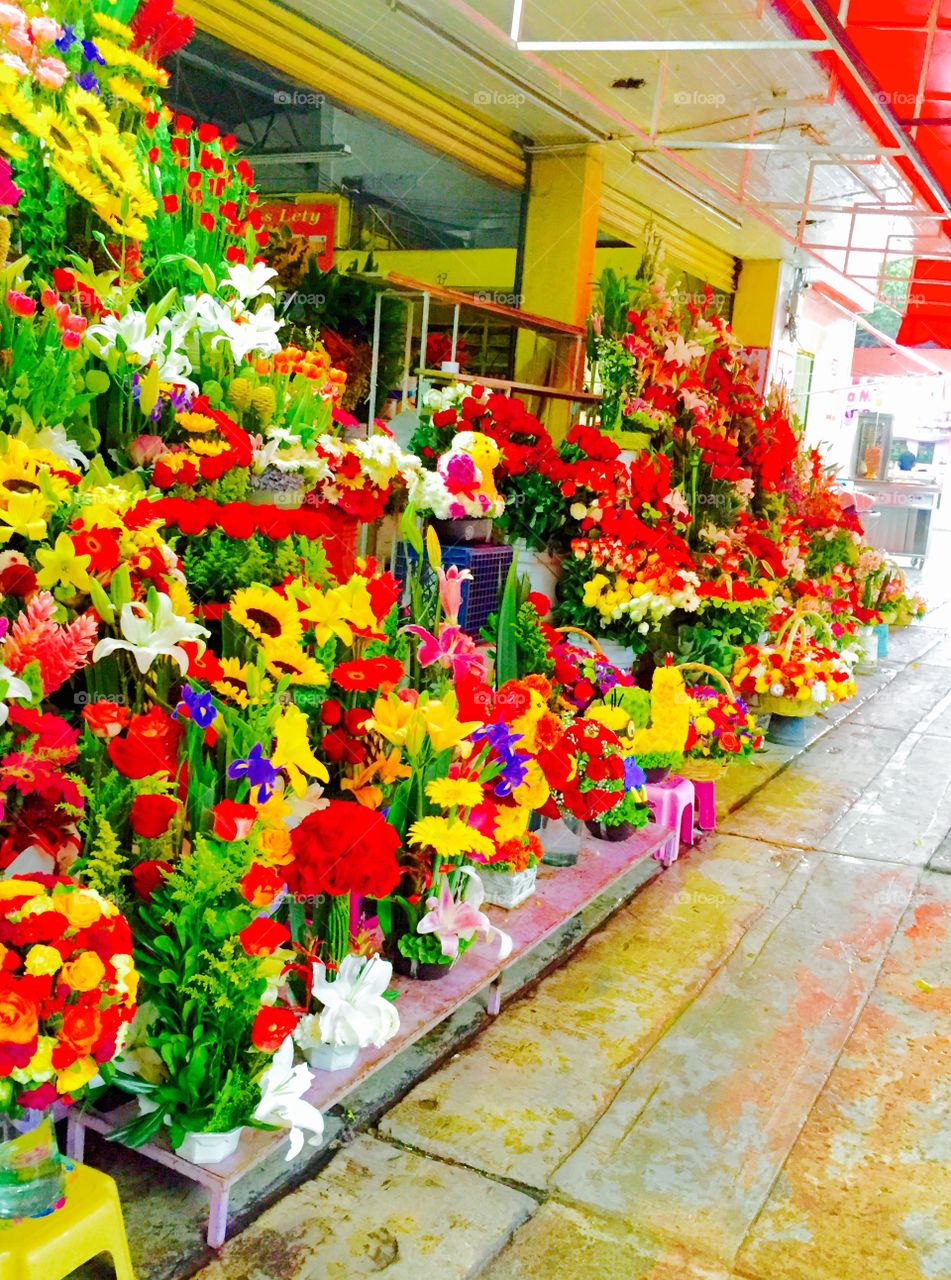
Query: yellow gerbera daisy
{"points": [[450, 839], [449, 792], [266, 614]]}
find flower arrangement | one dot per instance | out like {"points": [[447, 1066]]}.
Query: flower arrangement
{"points": [[795, 675], [722, 730], [354, 1011], [69, 989]]}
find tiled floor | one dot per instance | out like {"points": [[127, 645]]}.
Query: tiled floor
{"points": [[744, 1075]]}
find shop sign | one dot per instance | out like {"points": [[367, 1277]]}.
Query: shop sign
{"points": [[309, 220]]}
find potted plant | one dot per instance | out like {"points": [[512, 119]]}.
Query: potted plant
{"points": [[509, 877], [69, 994], [354, 1011]]}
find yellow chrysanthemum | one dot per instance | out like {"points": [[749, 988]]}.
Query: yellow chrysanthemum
{"points": [[450, 839], [448, 792], [198, 423], [266, 614]]}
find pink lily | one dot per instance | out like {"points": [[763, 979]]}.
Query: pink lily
{"points": [[452, 649], [451, 921], [450, 590]]}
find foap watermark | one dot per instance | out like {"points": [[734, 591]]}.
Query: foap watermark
{"points": [[294, 298], [298, 98], [697, 98], [499, 299], [497, 98]]}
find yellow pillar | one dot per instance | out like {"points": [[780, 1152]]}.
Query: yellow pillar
{"points": [[561, 235], [756, 302]]}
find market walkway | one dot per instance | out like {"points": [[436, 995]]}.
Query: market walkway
{"points": [[746, 1073]]}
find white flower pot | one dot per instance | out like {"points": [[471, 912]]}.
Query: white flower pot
{"points": [[332, 1057], [622, 655], [542, 568], [209, 1148], [506, 888], [867, 662]]}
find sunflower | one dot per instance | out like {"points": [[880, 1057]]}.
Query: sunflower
{"points": [[10, 147], [58, 132], [106, 22], [241, 683], [449, 792], [129, 92], [284, 659], [116, 164], [265, 614], [88, 112], [115, 56]]}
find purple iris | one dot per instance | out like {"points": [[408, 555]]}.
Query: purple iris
{"points": [[180, 398], [200, 706], [499, 737], [634, 775], [66, 40], [88, 82], [258, 771], [514, 773], [92, 54]]}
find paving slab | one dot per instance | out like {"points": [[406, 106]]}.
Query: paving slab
{"points": [[691, 1145], [378, 1210], [909, 644], [801, 804], [905, 813], [562, 1242], [919, 692], [866, 1191], [941, 858], [522, 1097]]}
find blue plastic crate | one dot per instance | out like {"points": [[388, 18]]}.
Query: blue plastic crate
{"points": [[489, 566]]}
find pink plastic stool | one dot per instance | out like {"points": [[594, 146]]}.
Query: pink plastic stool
{"points": [[672, 804], [706, 794]]}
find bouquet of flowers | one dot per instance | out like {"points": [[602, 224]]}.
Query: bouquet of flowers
{"points": [[721, 730], [795, 675]]}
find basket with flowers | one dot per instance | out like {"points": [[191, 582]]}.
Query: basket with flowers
{"points": [[795, 675], [722, 729]]}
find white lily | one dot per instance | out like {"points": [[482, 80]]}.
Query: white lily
{"points": [[151, 631], [247, 331], [132, 329], [282, 1103], [250, 282], [12, 686], [453, 919], [355, 1011], [55, 440]]}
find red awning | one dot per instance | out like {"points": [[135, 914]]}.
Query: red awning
{"points": [[927, 321]]}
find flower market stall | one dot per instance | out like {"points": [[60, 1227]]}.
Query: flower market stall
{"points": [[249, 774]]}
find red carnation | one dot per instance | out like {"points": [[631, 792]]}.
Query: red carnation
{"points": [[344, 848]]}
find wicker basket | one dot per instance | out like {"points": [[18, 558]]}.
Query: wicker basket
{"points": [[793, 707], [702, 770]]}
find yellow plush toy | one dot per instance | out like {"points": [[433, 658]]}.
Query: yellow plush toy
{"points": [[671, 706]]}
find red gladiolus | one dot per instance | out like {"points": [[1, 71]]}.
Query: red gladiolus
{"points": [[262, 936], [271, 1028], [149, 816], [149, 876], [231, 820]]}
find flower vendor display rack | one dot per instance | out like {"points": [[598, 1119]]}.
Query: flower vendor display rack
{"points": [[422, 1006], [561, 344]]}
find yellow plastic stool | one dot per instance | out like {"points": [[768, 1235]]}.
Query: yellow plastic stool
{"points": [[51, 1247]]}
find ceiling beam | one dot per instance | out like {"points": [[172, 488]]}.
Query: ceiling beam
{"points": [[670, 46]]}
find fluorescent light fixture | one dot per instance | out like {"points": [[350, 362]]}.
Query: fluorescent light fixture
{"points": [[300, 157], [668, 46], [516, 20], [706, 205]]}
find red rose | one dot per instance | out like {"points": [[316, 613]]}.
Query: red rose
{"points": [[261, 885], [105, 719], [262, 936], [730, 742], [232, 821], [150, 746], [331, 712], [271, 1028], [149, 816], [17, 580], [148, 876]]}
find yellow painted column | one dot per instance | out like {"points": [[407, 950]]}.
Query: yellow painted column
{"points": [[561, 235], [757, 300]]}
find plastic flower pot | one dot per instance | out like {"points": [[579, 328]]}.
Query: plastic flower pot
{"points": [[881, 631], [207, 1149], [408, 968], [507, 889], [561, 840], [868, 661], [658, 774], [542, 568], [468, 529], [31, 1169], [332, 1057], [620, 655], [620, 831]]}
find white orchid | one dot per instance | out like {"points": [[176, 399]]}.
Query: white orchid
{"points": [[250, 282], [355, 1010], [282, 1103], [12, 686], [150, 631]]}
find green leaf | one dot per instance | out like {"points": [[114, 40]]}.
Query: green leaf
{"points": [[506, 646], [101, 602], [409, 527]]}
